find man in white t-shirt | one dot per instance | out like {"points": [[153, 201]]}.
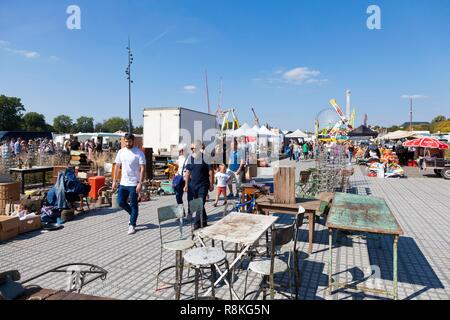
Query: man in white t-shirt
{"points": [[132, 162]]}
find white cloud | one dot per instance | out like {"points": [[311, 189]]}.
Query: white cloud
{"points": [[413, 96], [24, 53], [296, 76], [190, 89], [301, 75]]}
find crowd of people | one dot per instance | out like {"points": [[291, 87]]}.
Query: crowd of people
{"points": [[301, 150], [14, 149]]}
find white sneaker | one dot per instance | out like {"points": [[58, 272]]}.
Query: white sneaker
{"points": [[131, 230]]}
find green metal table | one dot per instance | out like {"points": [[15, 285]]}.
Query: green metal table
{"points": [[355, 213]]}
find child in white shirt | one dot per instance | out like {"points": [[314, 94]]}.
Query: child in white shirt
{"points": [[222, 182]]}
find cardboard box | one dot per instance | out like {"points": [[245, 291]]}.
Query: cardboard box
{"points": [[30, 224], [9, 227]]}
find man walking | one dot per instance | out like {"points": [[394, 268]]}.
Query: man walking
{"points": [[132, 162], [236, 168], [200, 177]]}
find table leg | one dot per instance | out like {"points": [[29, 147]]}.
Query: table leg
{"points": [[22, 175], [311, 221], [395, 267], [330, 260]]}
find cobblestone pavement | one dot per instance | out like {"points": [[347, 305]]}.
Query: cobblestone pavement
{"points": [[420, 204]]}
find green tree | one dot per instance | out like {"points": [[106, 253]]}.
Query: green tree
{"points": [[438, 119], [442, 126], [11, 111], [63, 124], [33, 121], [138, 130], [85, 124], [115, 124]]}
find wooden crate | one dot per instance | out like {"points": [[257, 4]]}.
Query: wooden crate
{"points": [[9, 191], [284, 185]]}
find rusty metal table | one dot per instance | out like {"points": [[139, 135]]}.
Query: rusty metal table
{"points": [[266, 205], [367, 214], [240, 229], [25, 171]]}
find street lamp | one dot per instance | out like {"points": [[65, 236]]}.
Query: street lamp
{"points": [[411, 98], [128, 73]]}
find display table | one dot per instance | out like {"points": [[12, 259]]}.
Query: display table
{"points": [[354, 213], [25, 171]]}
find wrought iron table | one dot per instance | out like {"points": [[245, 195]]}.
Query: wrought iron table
{"points": [[241, 229]]}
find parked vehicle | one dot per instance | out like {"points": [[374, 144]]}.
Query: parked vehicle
{"points": [[439, 166], [166, 128]]}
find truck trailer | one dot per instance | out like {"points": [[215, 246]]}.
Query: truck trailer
{"points": [[166, 128]]}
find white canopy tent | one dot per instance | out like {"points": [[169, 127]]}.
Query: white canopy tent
{"points": [[244, 131], [400, 134], [297, 134]]}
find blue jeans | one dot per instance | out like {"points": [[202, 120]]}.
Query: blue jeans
{"points": [[180, 191], [201, 192], [133, 207]]}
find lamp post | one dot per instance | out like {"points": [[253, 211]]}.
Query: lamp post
{"points": [[128, 73], [410, 114]]}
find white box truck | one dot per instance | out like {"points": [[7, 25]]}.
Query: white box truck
{"points": [[166, 128]]}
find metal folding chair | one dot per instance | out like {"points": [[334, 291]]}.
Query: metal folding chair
{"points": [[166, 215]]}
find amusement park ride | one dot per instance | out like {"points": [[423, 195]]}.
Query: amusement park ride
{"points": [[341, 128]]}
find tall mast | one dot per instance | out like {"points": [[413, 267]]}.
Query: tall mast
{"points": [[207, 91]]}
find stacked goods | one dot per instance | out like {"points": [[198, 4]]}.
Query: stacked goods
{"points": [[376, 169], [389, 157], [9, 192], [79, 159], [394, 170]]}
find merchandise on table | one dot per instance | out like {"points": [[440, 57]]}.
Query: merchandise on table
{"points": [[394, 171]]}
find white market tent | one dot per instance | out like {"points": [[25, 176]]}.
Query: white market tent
{"points": [[244, 131], [266, 132], [297, 134], [400, 134]]}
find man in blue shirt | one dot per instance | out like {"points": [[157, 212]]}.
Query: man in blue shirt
{"points": [[199, 176], [17, 147], [236, 167]]}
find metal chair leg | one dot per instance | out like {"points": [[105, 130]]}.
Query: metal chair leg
{"points": [[296, 275], [272, 291], [213, 281], [159, 271], [245, 284], [264, 290], [177, 275], [197, 272]]}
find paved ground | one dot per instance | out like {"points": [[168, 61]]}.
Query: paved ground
{"points": [[420, 204]]}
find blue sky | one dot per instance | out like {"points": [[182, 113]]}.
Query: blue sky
{"points": [[285, 58]]}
